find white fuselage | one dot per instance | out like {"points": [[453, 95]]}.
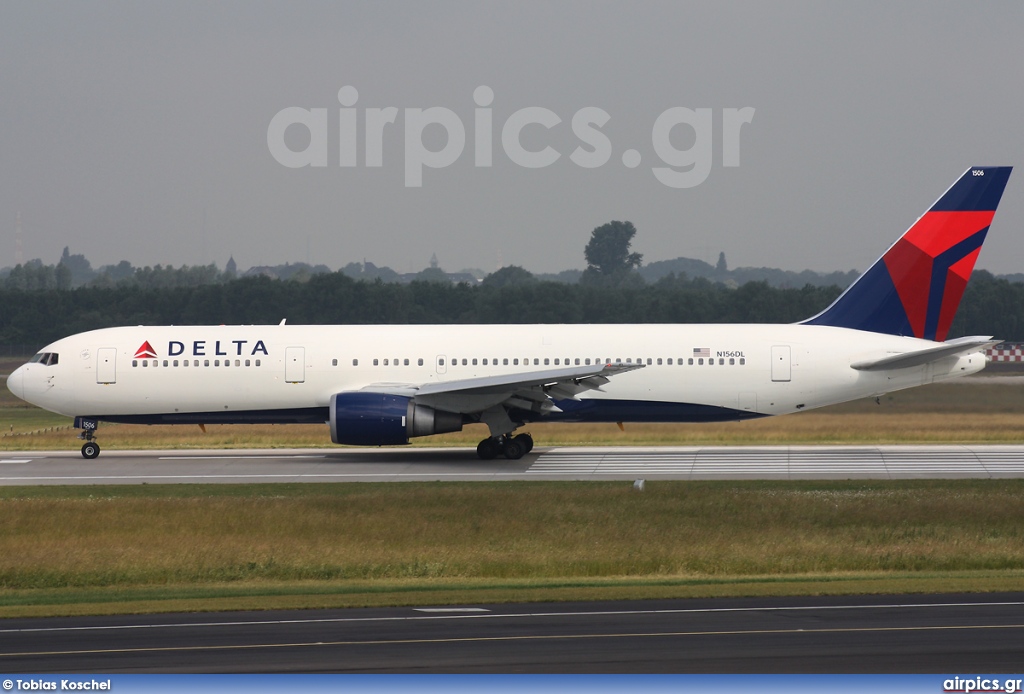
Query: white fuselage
{"points": [[734, 370]]}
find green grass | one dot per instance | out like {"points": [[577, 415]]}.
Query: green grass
{"points": [[158, 547]]}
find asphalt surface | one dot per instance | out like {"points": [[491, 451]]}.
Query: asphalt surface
{"points": [[461, 464], [891, 634]]}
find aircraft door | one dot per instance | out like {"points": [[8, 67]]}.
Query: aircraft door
{"points": [[295, 365], [781, 364], [442, 362], [106, 365]]}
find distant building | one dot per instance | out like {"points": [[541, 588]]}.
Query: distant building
{"points": [[262, 271], [1007, 351]]}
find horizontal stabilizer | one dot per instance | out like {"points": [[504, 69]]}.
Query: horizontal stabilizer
{"points": [[954, 348]]}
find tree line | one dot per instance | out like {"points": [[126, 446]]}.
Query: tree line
{"points": [[990, 306]]}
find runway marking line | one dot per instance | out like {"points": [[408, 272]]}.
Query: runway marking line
{"points": [[514, 615], [529, 637], [238, 457]]}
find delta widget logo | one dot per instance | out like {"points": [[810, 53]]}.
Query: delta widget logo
{"points": [[146, 351]]}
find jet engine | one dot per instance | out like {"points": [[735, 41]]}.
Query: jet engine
{"points": [[380, 419]]}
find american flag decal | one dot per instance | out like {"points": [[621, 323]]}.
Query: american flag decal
{"points": [[702, 351]]}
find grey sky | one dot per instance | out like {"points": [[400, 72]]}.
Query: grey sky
{"points": [[125, 124]]}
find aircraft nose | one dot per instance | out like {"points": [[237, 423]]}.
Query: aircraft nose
{"points": [[16, 382]]}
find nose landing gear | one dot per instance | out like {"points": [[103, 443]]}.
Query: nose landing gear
{"points": [[90, 449]]}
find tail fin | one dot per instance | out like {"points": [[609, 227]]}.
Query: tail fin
{"points": [[915, 288]]}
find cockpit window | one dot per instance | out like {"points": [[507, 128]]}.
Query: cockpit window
{"points": [[45, 358]]}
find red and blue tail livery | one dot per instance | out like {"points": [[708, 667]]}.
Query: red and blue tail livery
{"points": [[915, 288]]}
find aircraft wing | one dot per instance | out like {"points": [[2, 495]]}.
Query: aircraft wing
{"points": [[953, 348], [532, 391]]}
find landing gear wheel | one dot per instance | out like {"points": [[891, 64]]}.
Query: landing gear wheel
{"points": [[514, 449], [526, 441], [91, 449], [488, 449]]}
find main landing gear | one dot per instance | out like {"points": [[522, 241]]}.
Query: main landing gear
{"points": [[90, 449], [512, 447]]}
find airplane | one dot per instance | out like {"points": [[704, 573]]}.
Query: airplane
{"points": [[376, 385]]}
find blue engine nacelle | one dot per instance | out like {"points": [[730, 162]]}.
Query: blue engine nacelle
{"points": [[380, 419]]}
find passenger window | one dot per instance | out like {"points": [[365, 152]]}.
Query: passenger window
{"points": [[690, 361], [464, 362], [536, 361], [376, 362], [546, 361], [474, 361], [670, 361], [135, 362], [742, 361], [515, 362], [505, 361], [732, 361], [405, 362], [206, 362], [556, 361], [248, 363], [578, 361], [721, 361], [700, 362]]}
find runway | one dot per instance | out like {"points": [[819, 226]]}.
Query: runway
{"points": [[461, 464], [889, 634]]}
